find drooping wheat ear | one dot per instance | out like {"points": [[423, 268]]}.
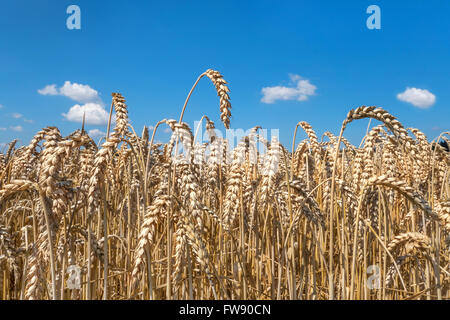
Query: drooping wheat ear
{"points": [[407, 191], [379, 114], [410, 241], [15, 186], [222, 91], [390, 122]]}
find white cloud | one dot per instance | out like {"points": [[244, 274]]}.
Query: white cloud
{"points": [[16, 128], [3, 129], [1, 106], [167, 130], [300, 90], [28, 120], [420, 98], [95, 114], [89, 101], [81, 93], [49, 90], [16, 115], [95, 133]]}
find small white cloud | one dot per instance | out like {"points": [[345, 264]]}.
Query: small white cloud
{"points": [[16, 115], [95, 133], [301, 90], [1, 106], [81, 93], [49, 90], [16, 128], [420, 98], [3, 129], [95, 114], [28, 120], [168, 130]]}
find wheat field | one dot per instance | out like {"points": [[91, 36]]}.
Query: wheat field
{"points": [[144, 220]]}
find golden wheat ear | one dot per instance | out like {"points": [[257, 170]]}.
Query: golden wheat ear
{"points": [[222, 91]]}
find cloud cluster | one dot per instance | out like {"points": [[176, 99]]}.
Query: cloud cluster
{"points": [[94, 114], [79, 92], [82, 93], [420, 98], [49, 90], [300, 90], [89, 102]]}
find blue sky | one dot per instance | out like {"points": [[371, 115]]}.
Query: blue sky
{"points": [[153, 51]]}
